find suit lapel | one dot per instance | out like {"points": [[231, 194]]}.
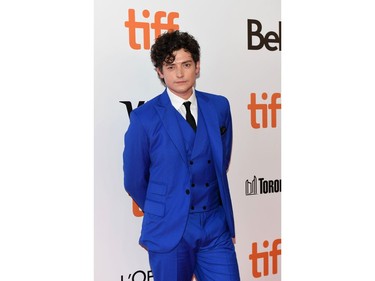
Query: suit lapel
{"points": [[167, 114]]}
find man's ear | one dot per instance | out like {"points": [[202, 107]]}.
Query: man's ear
{"points": [[160, 73], [197, 68]]}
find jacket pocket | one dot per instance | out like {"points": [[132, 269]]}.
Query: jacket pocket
{"points": [[155, 199]]}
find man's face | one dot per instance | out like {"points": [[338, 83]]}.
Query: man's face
{"points": [[180, 75]]}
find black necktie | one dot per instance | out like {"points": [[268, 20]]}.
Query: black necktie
{"points": [[189, 116]]}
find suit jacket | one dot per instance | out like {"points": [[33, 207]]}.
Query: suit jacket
{"points": [[156, 168]]}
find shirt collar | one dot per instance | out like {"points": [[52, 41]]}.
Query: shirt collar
{"points": [[177, 101]]}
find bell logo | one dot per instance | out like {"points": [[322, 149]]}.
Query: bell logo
{"points": [[265, 257], [265, 110], [133, 25], [271, 40]]}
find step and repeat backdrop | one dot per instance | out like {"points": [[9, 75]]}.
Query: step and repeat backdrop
{"points": [[241, 44]]}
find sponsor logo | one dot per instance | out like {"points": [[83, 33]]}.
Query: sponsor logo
{"points": [[258, 186], [256, 39], [162, 21], [139, 275], [264, 114], [129, 105], [269, 257]]}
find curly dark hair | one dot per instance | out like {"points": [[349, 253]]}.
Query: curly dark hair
{"points": [[167, 43]]}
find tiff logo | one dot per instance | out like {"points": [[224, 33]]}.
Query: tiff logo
{"points": [[264, 257], [266, 110], [144, 27]]}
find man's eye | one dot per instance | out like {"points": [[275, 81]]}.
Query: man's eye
{"points": [[187, 65]]}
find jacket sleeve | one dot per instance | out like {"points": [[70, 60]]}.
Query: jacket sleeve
{"points": [[227, 137], [136, 160]]}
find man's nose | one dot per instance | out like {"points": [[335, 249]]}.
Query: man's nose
{"points": [[179, 72]]}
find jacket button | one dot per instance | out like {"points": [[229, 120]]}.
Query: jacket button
{"points": [[207, 184], [191, 162], [209, 161], [204, 207], [193, 184], [187, 191], [192, 207]]}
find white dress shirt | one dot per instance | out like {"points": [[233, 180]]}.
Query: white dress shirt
{"points": [[177, 103]]}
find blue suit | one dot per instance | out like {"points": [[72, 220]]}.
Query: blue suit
{"points": [[156, 166]]}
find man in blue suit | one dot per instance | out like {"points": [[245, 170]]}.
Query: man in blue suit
{"points": [[175, 161]]}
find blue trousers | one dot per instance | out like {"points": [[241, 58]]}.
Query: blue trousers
{"points": [[205, 250]]}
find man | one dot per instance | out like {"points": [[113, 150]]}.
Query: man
{"points": [[176, 170]]}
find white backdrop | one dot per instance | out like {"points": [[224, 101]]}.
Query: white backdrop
{"points": [[249, 78]]}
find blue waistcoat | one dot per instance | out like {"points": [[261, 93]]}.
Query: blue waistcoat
{"points": [[203, 181]]}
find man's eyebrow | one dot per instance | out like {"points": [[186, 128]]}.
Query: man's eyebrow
{"points": [[170, 63]]}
